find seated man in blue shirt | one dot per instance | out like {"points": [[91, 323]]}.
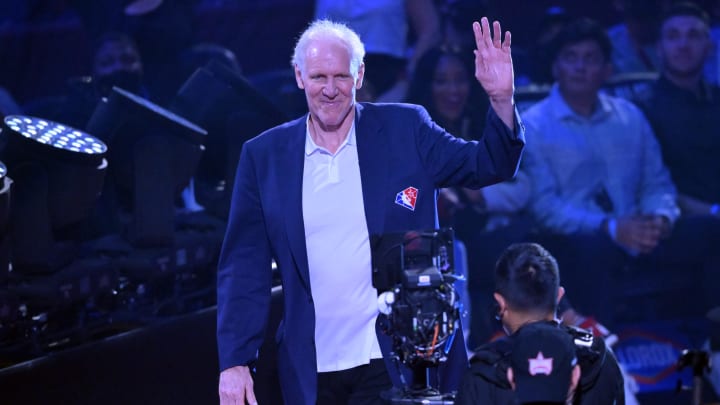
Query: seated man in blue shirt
{"points": [[602, 196]]}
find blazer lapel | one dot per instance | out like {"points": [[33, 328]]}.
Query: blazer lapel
{"points": [[290, 181], [374, 163]]}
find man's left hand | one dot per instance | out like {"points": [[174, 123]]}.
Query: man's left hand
{"points": [[493, 62]]}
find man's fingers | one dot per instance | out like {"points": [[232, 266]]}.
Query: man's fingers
{"points": [[250, 396], [486, 32], [497, 34], [478, 34], [485, 37], [506, 42]]}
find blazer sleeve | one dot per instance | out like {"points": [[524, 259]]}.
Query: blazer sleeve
{"points": [[452, 161], [244, 277]]}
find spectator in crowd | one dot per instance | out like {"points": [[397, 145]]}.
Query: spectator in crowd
{"points": [[161, 29], [633, 40], [527, 290], [602, 196], [683, 109], [116, 61], [443, 83]]}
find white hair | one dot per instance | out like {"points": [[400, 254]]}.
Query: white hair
{"points": [[326, 29]]}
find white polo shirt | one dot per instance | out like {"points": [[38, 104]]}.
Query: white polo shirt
{"points": [[338, 250]]}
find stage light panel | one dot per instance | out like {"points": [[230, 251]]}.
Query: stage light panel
{"points": [[56, 135]]}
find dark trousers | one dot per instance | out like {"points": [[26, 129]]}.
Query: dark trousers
{"points": [[360, 385]]}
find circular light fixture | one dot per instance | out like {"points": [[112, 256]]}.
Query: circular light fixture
{"points": [[38, 135], [55, 135]]}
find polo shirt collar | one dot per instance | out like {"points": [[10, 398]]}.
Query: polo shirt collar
{"points": [[311, 147]]}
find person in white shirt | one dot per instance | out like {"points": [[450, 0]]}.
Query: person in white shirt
{"points": [[309, 193]]}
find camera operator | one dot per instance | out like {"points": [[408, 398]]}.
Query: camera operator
{"points": [[527, 290]]}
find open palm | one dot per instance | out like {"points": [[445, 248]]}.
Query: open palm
{"points": [[493, 62]]}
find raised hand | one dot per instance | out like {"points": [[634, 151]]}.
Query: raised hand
{"points": [[493, 62]]}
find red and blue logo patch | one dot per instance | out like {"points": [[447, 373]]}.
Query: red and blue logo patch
{"points": [[407, 198]]}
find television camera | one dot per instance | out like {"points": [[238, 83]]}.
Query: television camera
{"points": [[414, 274]]}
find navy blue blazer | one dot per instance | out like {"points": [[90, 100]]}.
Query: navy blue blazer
{"points": [[399, 146]]}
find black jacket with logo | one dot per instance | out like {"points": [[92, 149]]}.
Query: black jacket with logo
{"points": [[485, 382]]}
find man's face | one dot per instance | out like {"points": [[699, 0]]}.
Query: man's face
{"points": [[684, 45], [450, 88], [328, 82], [117, 63], [114, 56], [581, 69]]}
